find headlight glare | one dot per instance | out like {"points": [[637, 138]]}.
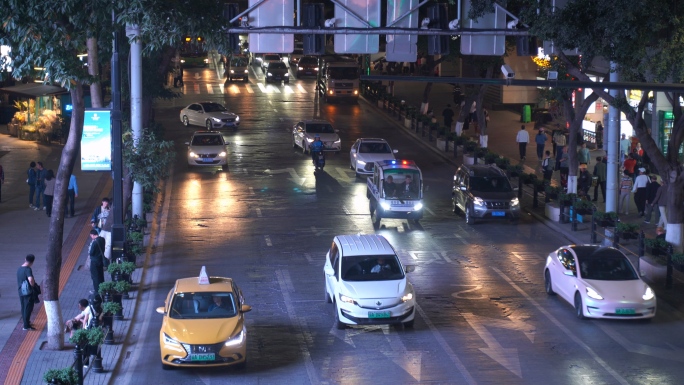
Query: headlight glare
{"points": [[407, 297], [344, 298], [192, 154], [418, 206], [591, 293], [216, 119], [309, 140], [649, 294], [232, 71], [360, 163], [269, 74], [515, 202], [238, 339], [478, 201], [385, 205], [222, 154]]}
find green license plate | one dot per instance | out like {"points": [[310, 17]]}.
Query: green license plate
{"points": [[625, 311], [379, 314], [203, 357]]}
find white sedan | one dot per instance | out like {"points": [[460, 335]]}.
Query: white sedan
{"points": [[305, 132], [365, 151], [211, 115], [207, 149], [599, 281]]}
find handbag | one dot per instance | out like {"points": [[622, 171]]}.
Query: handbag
{"points": [[26, 288]]}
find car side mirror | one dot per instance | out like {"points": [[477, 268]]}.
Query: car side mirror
{"points": [[569, 273], [161, 310], [409, 268], [463, 188], [515, 189], [187, 143], [337, 131], [395, 151], [329, 270], [245, 308]]}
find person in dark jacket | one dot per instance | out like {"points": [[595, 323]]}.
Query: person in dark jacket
{"points": [[97, 256], [651, 204], [31, 181], [40, 186], [583, 181], [24, 273], [600, 172]]}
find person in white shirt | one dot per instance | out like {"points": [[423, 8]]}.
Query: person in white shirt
{"points": [[82, 320], [522, 138], [639, 191]]}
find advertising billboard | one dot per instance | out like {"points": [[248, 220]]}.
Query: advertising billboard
{"points": [[96, 142]]}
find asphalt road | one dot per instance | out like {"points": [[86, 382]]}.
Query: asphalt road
{"points": [[483, 316]]}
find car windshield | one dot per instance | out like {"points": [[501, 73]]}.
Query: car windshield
{"points": [[375, 148], [298, 51], [308, 60], [604, 264], [343, 72], [271, 57], [238, 62], [213, 107], [277, 66], [207, 140], [319, 128], [401, 184], [371, 268], [203, 305], [490, 184]]}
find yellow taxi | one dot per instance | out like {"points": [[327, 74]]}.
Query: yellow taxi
{"points": [[204, 323]]}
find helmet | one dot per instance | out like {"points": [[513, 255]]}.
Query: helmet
{"points": [[317, 136]]}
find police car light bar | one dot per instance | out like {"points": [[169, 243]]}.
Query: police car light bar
{"points": [[402, 162]]}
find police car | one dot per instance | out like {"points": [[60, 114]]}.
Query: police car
{"points": [[395, 190]]}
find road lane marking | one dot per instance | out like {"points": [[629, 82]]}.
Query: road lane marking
{"points": [[210, 88], [460, 238], [302, 335], [457, 294], [268, 240], [251, 190], [430, 211], [673, 354], [223, 89], [258, 211], [289, 90], [249, 89], [564, 329]]}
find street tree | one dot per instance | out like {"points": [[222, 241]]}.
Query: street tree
{"points": [[643, 40]]}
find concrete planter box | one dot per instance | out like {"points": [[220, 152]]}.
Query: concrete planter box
{"points": [[652, 270], [407, 123], [440, 144], [552, 211], [468, 159]]}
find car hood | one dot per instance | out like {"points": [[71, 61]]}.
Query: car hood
{"points": [[277, 70], [632, 290], [203, 331], [500, 196], [369, 157], [207, 149], [221, 114], [374, 289], [324, 137]]}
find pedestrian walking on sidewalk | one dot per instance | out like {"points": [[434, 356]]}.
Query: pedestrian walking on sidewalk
{"points": [[547, 167], [96, 255], [24, 273], [583, 181], [639, 190], [105, 223], [660, 200], [561, 141], [522, 138], [625, 192], [625, 144], [583, 155], [31, 181], [2, 180], [49, 194], [629, 165], [651, 205], [72, 194], [540, 139], [448, 115], [600, 172], [40, 186]]}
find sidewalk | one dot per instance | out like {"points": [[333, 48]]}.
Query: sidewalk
{"points": [[25, 231]]}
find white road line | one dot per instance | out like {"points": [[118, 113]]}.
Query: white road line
{"points": [[249, 89], [258, 211], [302, 335], [195, 86], [268, 240], [223, 88], [210, 88], [430, 211], [273, 89], [460, 238], [301, 89], [346, 210], [447, 349], [251, 190], [289, 90], [564, 329]]}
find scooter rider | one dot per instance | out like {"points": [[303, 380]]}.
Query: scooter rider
{"points": [[315, 147]]}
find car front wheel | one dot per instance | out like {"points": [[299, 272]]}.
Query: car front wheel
{"points": [[186, 122], [469, 216], [208, 125], [579, 307], [339, 324], [547, 283]]}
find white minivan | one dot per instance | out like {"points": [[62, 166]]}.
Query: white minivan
{"points": [[366, 282]]}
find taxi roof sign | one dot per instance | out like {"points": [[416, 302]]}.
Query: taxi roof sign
{"points": [[203, 277]]}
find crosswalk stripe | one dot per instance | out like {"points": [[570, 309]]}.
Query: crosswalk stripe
{"points": [[273, 89], [262, 88], [249, 88], [301, 89], [210, 88], [289, 90], [223, 91], [196, 87]]}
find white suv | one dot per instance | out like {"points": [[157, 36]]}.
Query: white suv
{"points": [[366, 282]]}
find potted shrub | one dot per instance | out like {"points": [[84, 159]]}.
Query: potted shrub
{"points": [[460, 140], [527, 178], [121, 271], [502, 163], [606, 219], [109, 309], [566, 198], [469, 147], [655, 246], [65, 376], [135, 243], [490, 157], [627, 230], [514, 171], [678, 260], [552, 191], [583, 207]]}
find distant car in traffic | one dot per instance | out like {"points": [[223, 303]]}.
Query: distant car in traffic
{"points": [[203, 324], [366, 282], [238, 68], [484, 191], [270, 58], [307, 66], [305, 131], [207, 149], [365, 151], [600, 282], [211, 115], [295, 56], [277, 72]]}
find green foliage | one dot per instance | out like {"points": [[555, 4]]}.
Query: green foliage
{"points": [[65, 376], [106, 287], [583, 204], [605, 216], [490, 157], [678, 258], [552, 190], [122, 286], [147, 159], [624, 227], [470, 146], [92, 336], [655, 243], [123, 268], [111, 307]]}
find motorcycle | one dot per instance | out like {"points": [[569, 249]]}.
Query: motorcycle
{"points": [[319, 160]]}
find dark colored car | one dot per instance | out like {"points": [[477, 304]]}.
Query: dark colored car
{"points": [[307, 66], [277, 72], [484, 191]]}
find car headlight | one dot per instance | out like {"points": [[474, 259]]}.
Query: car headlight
{"points": [[649, 294], [316, 69], [478, 201], [338, 141], [246, 71], [206, 60], [192, 154], [300, 68], [418, 206], [287, 74], [309, 140], [269, 74], [515, 202], [356, 92], [182, 60], [232, 71], [222, 154], [237, 118], [385, 205], [238, 339], [407, 297], [360, 162], [591, 293], [170, 341], [344, 298], [217, 120]]}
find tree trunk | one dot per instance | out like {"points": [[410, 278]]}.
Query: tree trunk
{"points": [[575, 119], [426, 98], [55, 335], [481, 122], [94, 71]]}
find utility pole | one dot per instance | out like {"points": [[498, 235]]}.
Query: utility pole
{"points": [[612, 147], [133, 34], [118, 233]]}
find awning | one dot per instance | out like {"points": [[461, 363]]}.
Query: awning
{"points": [[33, 90]]}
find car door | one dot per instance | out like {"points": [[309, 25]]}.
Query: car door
{"points": [[194, 114], [565, 278], [352, 153], [299, 128], [333, 262], [462, 191]]}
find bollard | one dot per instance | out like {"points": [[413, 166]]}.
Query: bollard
{"points": [[668, 276], [573, 214], [616, 237], [455, 149], [535, 196], [594, 238], [520, 187], [78, 356], [561, 207], [446, 143], [642, 237]]}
